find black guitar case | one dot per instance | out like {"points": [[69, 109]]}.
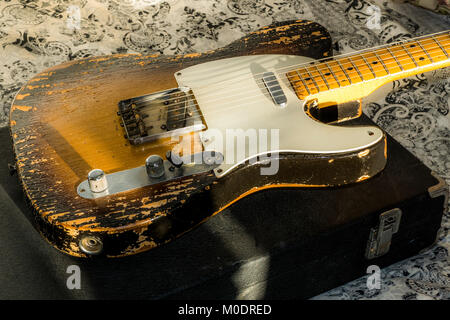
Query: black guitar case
{"points": [[275, 244]]}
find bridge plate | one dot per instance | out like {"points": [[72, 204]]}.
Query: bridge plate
{"points": [[159, 115]]}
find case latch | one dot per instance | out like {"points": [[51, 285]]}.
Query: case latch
{"points": [[381, 236]]}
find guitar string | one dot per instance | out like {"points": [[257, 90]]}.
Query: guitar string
{"points": [[361, 75], [367, 50], [355, 54], [216, 110], [275, 92], [319, 87]]}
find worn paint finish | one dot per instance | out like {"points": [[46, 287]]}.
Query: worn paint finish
{"points": [[64, 124]]}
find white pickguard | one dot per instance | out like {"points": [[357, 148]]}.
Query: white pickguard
{"points": [[229, 98]]}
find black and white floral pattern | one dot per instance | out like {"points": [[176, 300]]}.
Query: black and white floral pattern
{"points": [[36, 34]]}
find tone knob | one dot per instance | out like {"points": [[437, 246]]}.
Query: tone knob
{"points": [[97, 180], [155, 166]]}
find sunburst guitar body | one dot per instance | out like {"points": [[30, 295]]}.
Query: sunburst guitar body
{"points": [[120, 154]]}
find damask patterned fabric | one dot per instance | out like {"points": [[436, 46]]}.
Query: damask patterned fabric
{"points": [[36, 34], [441, 6]]}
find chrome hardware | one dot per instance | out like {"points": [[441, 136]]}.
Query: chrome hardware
{"points": [[91, 245], [135, 178], [97, 181], [380, 237], [274, 89], [158, 115], [154, 166]]}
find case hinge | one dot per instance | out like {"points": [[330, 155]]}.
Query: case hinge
{"points": [[380, 237]]}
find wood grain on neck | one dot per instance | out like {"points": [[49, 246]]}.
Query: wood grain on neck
{"points": [[354, 76]]}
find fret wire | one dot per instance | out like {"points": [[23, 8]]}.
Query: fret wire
{"points": [[439, 44], [381, 60], [429, 57], [395, 58], [409, 54], [332, 73], [366, 60], [368, 64], [357, 70], [323, 77], [377, 48], [315, 83], [340, 65], [304, 83]]}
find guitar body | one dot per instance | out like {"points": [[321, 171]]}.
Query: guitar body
{"points": [[64, 123]]}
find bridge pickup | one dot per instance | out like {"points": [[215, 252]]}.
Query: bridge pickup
{"points": [[159, 115], [274, 88]]}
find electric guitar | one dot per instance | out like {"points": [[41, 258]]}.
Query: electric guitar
{"points": [[120, 154]]}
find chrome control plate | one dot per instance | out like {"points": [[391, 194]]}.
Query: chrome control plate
{"points": [[135, 178]]}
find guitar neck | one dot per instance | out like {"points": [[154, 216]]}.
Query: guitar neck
{"points": [[357, 75]]}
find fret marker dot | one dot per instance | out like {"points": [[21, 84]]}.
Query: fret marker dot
{"points": [[350, 68], [421, 58], [375, 62], [327, 74]]}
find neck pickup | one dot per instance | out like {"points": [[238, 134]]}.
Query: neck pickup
{"points": [[273, 87]]}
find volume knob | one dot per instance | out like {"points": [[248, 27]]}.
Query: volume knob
{"points": [[154, 166], [97, 180]]}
